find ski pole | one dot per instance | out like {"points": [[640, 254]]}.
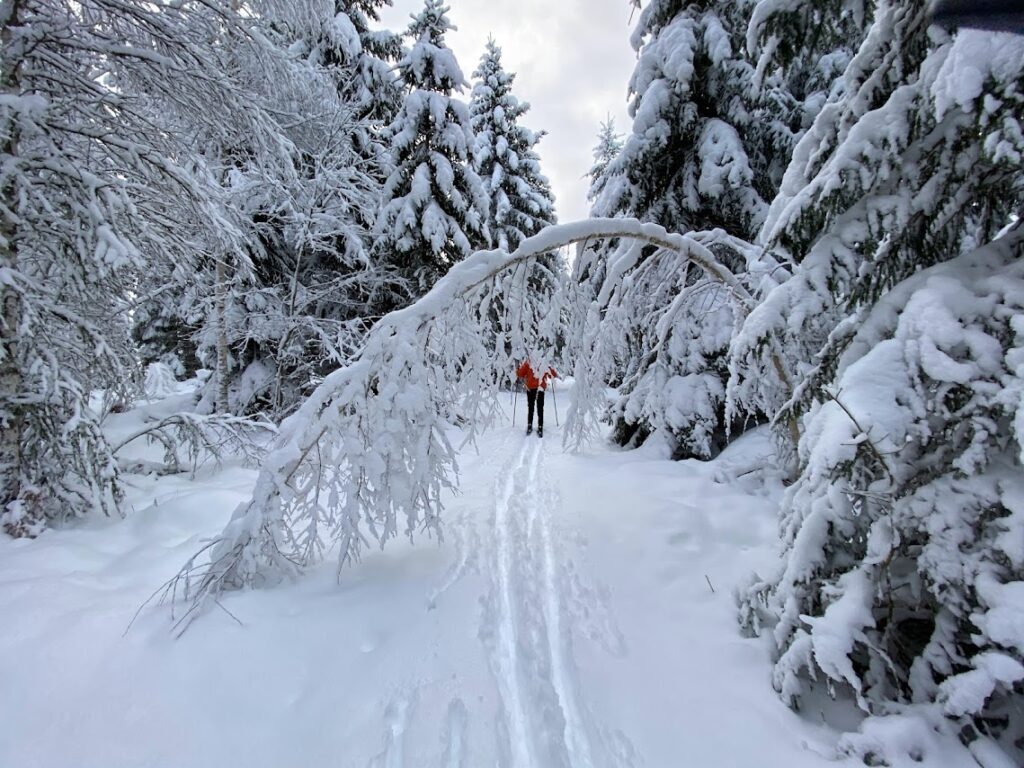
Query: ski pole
{"points": [[553, 397], [515, 398]]}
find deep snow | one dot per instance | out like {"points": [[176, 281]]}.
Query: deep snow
{"points": [[579, 613]]}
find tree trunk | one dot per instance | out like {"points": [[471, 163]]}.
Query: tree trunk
{"points": [[11, 383], [221, 401]]}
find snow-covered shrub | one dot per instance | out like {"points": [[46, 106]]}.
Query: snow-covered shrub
{"points": [[190, 440], [160, 381]]}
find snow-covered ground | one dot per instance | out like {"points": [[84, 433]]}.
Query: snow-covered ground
{"points": [[578, 614]]}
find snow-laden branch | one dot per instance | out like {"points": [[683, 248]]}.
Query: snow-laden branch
{"points": [[370, 444], [204, 437]]}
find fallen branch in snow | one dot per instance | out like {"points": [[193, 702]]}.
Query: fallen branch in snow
{"points": [[370, 443], [204, 437]]}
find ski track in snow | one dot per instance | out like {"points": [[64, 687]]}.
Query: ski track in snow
{"points": [[527, 627], [559, 641], [505, 656], [535, 600]]}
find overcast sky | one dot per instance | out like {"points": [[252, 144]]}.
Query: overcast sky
{"points": [[573, 62]]}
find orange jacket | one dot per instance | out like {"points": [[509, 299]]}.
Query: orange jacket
{"points": [[525, 371]]}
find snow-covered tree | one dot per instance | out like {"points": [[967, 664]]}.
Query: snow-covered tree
{"points": [[348, 45], [685, 162], [591, 258], [433, 209], [520, 199], [609, 145], [689, 163], [360, 58], [799, 51], [520, 204], [898, 317], [295, 303], [92, 188]]}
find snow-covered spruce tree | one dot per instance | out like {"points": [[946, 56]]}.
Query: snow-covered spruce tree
{"points": [[685, 163], [90, 183], [359, 57], [800, 51], [690, 164], [903, 561], [348, 45], [609, 145], [433, 209], [592, 258], [520, 204], [520, 199]]}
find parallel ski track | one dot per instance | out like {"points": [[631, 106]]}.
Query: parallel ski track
{"points": [[532, 655], [506, 660], [527, 630]]}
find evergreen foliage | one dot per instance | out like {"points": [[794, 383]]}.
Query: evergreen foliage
{"points": [[433, 210], [899, 314], [291, 302], [684, 162], [520, 204], [609, 145], [691, 162]]}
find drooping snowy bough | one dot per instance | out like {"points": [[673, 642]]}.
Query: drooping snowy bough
{"points": [[369, 451]]}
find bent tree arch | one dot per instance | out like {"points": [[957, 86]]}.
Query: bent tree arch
{"points": [[370, 447]]}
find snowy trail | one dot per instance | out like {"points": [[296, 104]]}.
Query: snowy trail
{"points": [[505, 655], [565, 622], [542, 719], [559, 639]]}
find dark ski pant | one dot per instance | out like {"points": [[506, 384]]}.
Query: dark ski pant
{"points": [[535, 397]]}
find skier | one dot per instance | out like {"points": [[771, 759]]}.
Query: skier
{"points": [[534, 394]]}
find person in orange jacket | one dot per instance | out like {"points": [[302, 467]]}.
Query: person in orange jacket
{"points": [[534, 394]]}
